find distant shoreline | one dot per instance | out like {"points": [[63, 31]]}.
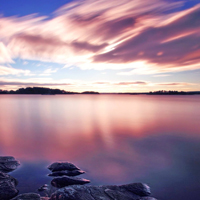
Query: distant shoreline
{"points": [[49, 91]]}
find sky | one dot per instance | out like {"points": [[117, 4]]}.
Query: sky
{"points": [[100, 45]]}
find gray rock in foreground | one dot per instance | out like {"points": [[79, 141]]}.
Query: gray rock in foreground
{"points": [[8, 164], [66, 181], [60, 166], [7, 186], [134, 191], [27, 196]]}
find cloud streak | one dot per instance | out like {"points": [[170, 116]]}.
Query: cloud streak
{"points": [[5, 56], [103, 35], [175, 84], [4, 71]]}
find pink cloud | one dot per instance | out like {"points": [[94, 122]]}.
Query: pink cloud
{"points": [[5, 56], [10, 26], [12, 71], [85, 46], [34, 46], [36, 82], [108, 35], [125, 83], [132, 83], [150, 42], [176, 84]]}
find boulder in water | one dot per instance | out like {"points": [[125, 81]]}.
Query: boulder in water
{"points": [[8, 164], [6, 158], [60, 166], [43, 188], [131, 191], [7, 186], [66, 181]]}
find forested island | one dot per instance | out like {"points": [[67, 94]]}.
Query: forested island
{"points": [[43, 91], [49, 91], [173, 92]]}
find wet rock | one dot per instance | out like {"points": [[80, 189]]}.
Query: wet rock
{"points": [[66, 181], [75, 172], [8, 164], [6, 158], [44, 198], [114, 194], [7, 186], [60, 166], [110, 192], [138, 188], [27, 196], [43, 188]]}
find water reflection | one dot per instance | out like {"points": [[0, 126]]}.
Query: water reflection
{"points": [[115, 138]]}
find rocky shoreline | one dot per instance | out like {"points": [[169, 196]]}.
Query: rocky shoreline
{"points": [[67, 186]]}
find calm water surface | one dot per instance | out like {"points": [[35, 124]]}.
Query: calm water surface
{"points": [[116, 139]]}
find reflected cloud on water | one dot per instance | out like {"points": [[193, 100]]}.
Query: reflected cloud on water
{"points": [[115, 139]]}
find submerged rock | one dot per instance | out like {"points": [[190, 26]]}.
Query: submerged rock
{"points": [[7, 186], [43, 188], [27, 196], [134, 191], [75, 172], [8, 164], [65, 181], [60, 166]]}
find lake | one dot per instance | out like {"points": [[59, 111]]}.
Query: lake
{"points": [[116, 139]]}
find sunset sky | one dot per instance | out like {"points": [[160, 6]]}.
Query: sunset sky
{"points": [[100, 45]]}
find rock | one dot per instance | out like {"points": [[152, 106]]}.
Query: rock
{"points": [[109, 192], [114, 194], [75, 172], [138, 188], [8, 164], [27, 196], [60, 166], [65, 181], [43, 188], [7, 186], [6, 158], [44, 198]]}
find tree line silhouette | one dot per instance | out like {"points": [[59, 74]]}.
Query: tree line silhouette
{"points": [[49, 91], [42, 90]]}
